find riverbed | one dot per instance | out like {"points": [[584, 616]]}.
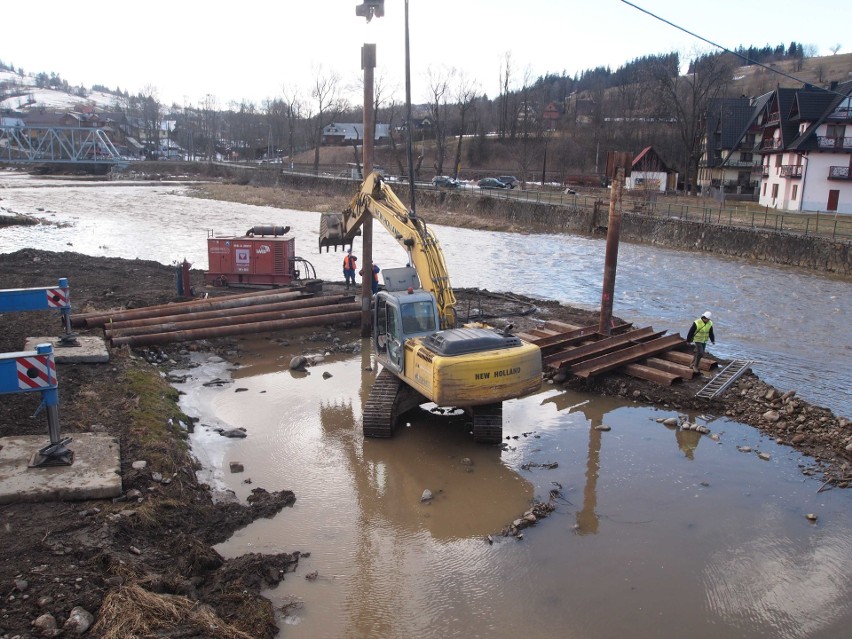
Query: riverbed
{"points": [[657, 531]]}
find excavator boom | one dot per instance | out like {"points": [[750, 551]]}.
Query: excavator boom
{"points": [[377, 199]]}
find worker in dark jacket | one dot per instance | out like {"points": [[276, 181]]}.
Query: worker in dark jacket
{"points": [[375, 281], [700, 331], [349, 267]]}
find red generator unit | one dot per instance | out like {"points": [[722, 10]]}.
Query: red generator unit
{"points": [[263, 257]]}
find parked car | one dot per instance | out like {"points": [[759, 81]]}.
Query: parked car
{"points": [[445, 181], [492, 183], [509, 180]]}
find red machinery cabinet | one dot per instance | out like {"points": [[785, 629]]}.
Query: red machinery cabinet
{"points": [[250, 260]]}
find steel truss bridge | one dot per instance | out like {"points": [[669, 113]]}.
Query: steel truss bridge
{"points": [[57, 145]]}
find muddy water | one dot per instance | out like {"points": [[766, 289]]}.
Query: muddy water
{"points": [[657, 532], [793, 323]]}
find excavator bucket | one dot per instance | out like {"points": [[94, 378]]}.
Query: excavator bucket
{"points": [[333, 233]]}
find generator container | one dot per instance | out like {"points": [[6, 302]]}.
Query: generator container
{"points": [[252, 259]]}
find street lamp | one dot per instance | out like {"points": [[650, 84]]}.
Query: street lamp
{"points": [[369, 8]]}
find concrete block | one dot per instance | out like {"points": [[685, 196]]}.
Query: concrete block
{"points": [[92, 475], [92, 349]]}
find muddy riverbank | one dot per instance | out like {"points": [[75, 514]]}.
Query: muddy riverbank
{"points": [[145, 563]]}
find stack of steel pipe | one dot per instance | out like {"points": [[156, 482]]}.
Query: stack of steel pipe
{"points": [[221, 317]]}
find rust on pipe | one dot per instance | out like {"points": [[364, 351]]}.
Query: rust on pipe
{"points": [[170, 327], [187, 307], [239, 329], [231, 312], [78, 319]]}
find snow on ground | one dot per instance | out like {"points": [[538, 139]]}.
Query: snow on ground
{"points": [[32, 97]]}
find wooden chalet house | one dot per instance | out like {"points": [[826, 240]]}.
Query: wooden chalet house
{"points": [[806, 146]]}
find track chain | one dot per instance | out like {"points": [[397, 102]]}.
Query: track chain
{"points": [[380, 409], [488, 423]]}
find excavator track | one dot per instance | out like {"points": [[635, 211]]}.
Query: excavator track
{"points": [[380, 410], [488, 423]]}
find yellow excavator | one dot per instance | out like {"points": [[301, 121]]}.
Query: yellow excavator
{"points": [[424, 356]]}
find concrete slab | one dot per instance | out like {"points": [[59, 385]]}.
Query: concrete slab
{"points": [[92, 349], [93, 475]]}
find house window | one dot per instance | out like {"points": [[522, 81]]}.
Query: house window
{"points": [[778, 160], [746, 157], [774, 191], [795, 192], [764, 188]]}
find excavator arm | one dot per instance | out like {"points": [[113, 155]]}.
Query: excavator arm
{"points": [[378, 200]]}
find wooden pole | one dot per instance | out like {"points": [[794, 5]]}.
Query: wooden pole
{"points": [[612, 238], [368, 63]]}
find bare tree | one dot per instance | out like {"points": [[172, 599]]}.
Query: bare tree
{"points": [[209, 125], [292, 114], [439, 89], [835, 48], [326, 95], [684, 99], [506, 111], [466, 91], [152, 116]]}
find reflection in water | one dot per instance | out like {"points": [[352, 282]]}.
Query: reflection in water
{"points": [[654, 527]]}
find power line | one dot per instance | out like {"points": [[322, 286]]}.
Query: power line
{"points": [[719, 46]]}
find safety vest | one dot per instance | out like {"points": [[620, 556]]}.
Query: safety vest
{"points": [[702, 331], [349, 263]]}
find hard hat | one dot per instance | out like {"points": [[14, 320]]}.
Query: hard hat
{"points": [[706, 314]]}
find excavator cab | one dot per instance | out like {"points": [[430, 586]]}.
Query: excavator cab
{"points": [[400, 316]]}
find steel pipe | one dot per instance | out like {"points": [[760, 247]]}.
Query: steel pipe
{"points": [[308, 302], [170, 327], [230, 301], [239, 329]]}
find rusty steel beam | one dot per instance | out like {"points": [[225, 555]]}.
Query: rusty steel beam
{"points": [[560, 327], [569, 338], [600, 347], [679, 357], [670, 367], [651, 374], [239, 329], [180, 308], [308, 302], [611, 361], [170, 327]]}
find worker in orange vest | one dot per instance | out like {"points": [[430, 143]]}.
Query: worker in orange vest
{"points": [[349, 267]]}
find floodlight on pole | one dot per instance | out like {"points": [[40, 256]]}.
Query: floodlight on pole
{"points": [[369, 8]]}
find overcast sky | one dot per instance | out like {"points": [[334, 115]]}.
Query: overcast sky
{"points": [[251, 49]]}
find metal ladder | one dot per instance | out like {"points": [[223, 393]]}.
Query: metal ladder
{"points": [[724, 378]]}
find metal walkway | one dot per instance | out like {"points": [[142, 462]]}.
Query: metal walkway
{"points": [[724, 378]]}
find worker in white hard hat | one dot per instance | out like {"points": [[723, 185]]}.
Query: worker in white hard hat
{"points": [[700, 331]]}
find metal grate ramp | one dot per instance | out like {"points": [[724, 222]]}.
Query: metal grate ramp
{"points": [[724, 378]]}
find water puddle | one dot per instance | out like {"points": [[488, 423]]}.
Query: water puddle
{"points": [[657, 532]]}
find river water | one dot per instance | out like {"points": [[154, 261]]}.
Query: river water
{"points": [[658, 532]]}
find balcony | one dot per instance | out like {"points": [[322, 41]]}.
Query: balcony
{"points": [[770, 144], [760, 169], [838, 173], [834, 143], [791, 170]]}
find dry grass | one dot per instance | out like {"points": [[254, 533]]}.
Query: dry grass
{"points": [[132, 612]]}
